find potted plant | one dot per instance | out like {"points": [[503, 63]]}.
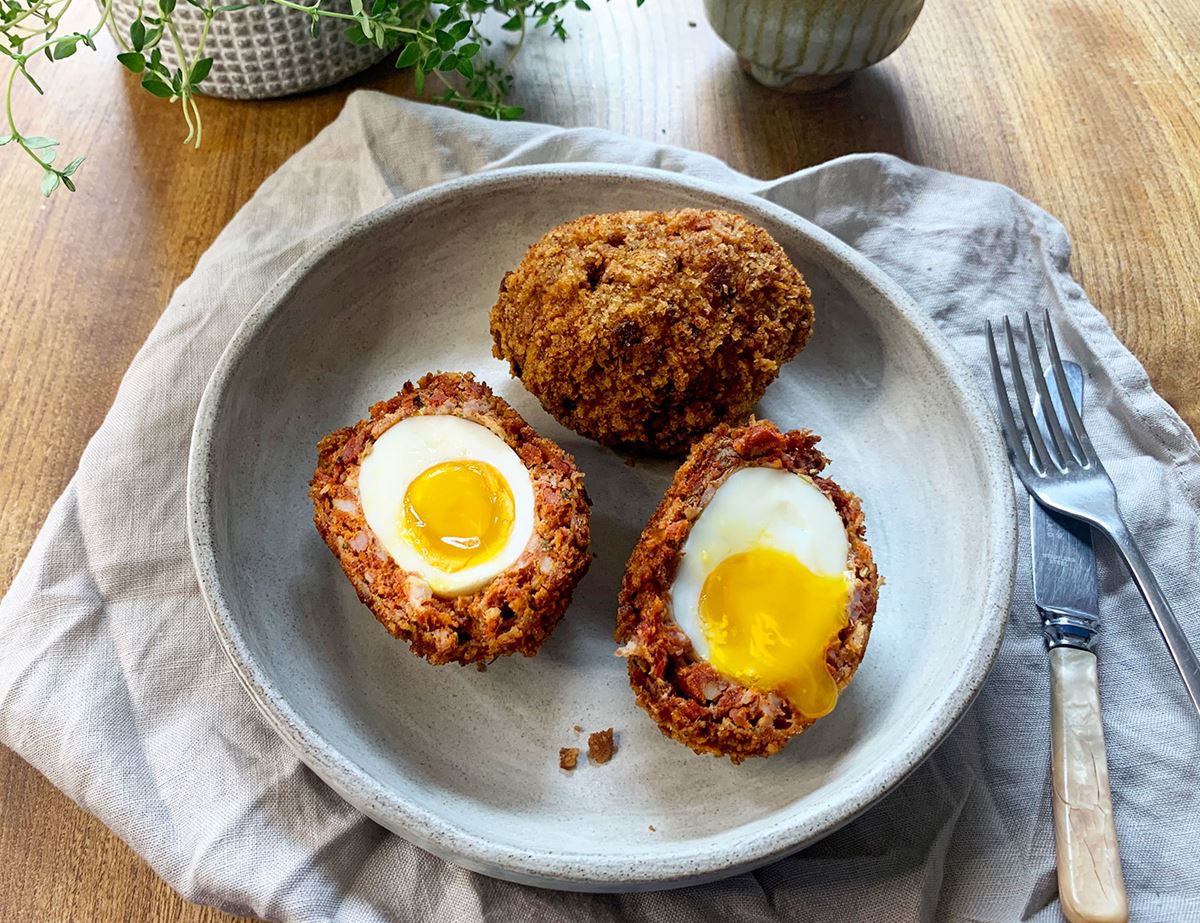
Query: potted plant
{"points": [[181, 51]]}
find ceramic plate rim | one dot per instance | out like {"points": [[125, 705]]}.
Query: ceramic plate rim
{"points": [[702, 861]]}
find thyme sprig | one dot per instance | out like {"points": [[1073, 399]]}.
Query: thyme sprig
{"points": [[442, 42]]}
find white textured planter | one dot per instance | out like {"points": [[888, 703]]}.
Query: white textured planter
{"points": [[811, 45], [261, 51]]}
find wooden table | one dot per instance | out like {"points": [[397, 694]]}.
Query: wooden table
{"points": [[1088, 107]]}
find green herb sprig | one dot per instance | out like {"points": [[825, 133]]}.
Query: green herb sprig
{"points": [[440, 41]]}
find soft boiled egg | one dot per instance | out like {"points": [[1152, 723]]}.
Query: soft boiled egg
{"points": [[763, 585], [448, 499]]}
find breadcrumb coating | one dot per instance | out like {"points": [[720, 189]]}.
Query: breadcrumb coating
{"points": [[518, 609], [691, 701], [642, 330]]}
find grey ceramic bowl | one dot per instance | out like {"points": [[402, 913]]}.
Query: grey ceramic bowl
{"points": [[465, 764]]}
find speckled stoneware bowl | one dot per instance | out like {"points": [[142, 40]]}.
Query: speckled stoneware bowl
{"points": [[810, 45], [465, 763]]}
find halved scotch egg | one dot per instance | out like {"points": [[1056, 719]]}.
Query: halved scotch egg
{"points": [[747, 604], [461, 529]]}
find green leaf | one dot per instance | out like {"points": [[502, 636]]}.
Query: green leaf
{"points": [[378, 7], [430, 62], [167, 7], [460, 30], [448, 63], [580, 5], [4, 139], [449, 14], [66, 181], [513, 24], [137, 34], [45, 155], [65, 48], [469, 50], [50, 182], [38, 141], [356, 6], [465, 67], [200, 70], [444, 39], [156, 86], [354, 34], [510, 112], [408, 57], [69, 169], [132, 60]]}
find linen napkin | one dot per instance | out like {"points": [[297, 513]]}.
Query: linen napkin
{"points": [[112, 682]]}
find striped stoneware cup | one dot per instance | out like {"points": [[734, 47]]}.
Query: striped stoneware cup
{"points": [[810, 45]]}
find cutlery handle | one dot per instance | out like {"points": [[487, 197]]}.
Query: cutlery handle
{"points": [[1091, 887], [1177, 642]]}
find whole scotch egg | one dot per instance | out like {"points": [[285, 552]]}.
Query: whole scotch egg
{"points": [[460, 528], [747, 604]]}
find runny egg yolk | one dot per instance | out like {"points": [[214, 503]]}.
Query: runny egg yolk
{"points": [[769, 619], [457, 514]]}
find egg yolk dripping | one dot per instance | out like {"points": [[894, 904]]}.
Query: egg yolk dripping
{"points": [[457, 514], [769, 620]]}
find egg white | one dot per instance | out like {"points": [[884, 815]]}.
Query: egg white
{"points": [[756, 508], [410, 447]]}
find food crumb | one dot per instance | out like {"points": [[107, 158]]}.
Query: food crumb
{"points": [[652, 828], [578, 728], [600, 746], [568, 757]]}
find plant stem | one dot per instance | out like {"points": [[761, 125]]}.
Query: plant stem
{"points": [[19, 63], [330, 14], [203, 39]]}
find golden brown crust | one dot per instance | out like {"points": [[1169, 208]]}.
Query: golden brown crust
{"points": [[517, 610], [689, 700], [644, 329], [568, 757]]}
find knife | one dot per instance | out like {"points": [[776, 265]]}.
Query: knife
{"points": [[1091, 887]]}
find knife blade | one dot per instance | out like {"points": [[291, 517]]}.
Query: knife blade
{"points": [[1064, 563]]}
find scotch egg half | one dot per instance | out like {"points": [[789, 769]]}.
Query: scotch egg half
{"points": [[459, 527], [747, 604]]}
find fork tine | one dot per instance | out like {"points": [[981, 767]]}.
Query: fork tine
{"points": [[1049, 414], [1012, 435], [1045, 460], [1068, 402]]}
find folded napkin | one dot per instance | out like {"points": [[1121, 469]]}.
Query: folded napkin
{"points": [[112, 682]]}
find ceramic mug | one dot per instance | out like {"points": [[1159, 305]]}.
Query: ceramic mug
{"points": [[810, 45]]}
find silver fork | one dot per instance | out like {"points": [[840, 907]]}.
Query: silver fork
{"points": [[1065, 474]]}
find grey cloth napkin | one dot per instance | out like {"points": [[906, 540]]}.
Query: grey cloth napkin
{"points": [[112, 682]]}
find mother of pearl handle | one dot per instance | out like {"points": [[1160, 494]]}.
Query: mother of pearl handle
{"points": [[1091, 887]]}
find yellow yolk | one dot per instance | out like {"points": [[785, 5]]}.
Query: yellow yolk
{"points": [[769, 620], [457, 514]]}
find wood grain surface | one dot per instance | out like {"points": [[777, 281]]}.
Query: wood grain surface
{"points": [[1088, 107]]}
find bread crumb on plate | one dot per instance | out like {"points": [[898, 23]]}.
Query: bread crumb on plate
{"points": [[568, 757], [600, 746]]}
